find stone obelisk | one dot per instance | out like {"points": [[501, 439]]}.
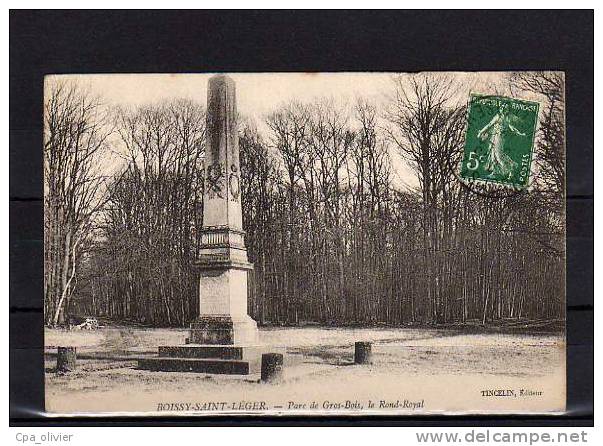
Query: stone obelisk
{"points": [[223, 339], [222, 260]]}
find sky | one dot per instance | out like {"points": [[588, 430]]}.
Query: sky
{"points": [[258, 94], [261, 93]]}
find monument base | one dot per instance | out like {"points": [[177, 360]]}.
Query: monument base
{"points": [[217, 344], [223, 330]]}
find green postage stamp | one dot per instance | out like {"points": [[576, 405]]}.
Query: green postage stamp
{"points": [[499, 140]]}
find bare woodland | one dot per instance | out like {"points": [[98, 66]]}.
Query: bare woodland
{"points": [[334, 238]]}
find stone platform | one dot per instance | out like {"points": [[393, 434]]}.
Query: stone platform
{"points": [[215, 359]]}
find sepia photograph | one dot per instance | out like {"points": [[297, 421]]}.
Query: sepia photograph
{"points": [[320, 243]]}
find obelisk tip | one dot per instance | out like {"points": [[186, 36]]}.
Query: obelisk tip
{"points": [[221, 79]]}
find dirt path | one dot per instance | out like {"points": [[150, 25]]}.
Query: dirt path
{"points": [[446, 370]]}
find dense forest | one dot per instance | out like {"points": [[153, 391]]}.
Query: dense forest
{"points": [[335, 236]]}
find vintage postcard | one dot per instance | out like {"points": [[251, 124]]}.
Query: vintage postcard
{"points": [[305, 243]]}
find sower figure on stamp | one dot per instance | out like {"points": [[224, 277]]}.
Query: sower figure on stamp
{"points": [[499, 163]]}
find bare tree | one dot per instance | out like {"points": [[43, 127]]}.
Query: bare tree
{"points": [[290, 127], [551, 149], [427, 129], [152, 216], [75, 134]]}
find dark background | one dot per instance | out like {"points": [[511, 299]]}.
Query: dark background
{"points": [[49, 42]]}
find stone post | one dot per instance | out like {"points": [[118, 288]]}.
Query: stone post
{"points": [[66, 359], [272, 367], [363, 353], [222, 259]]}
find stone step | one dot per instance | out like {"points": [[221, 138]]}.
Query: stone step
{"points": [[198, 365], [210, 352]]}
